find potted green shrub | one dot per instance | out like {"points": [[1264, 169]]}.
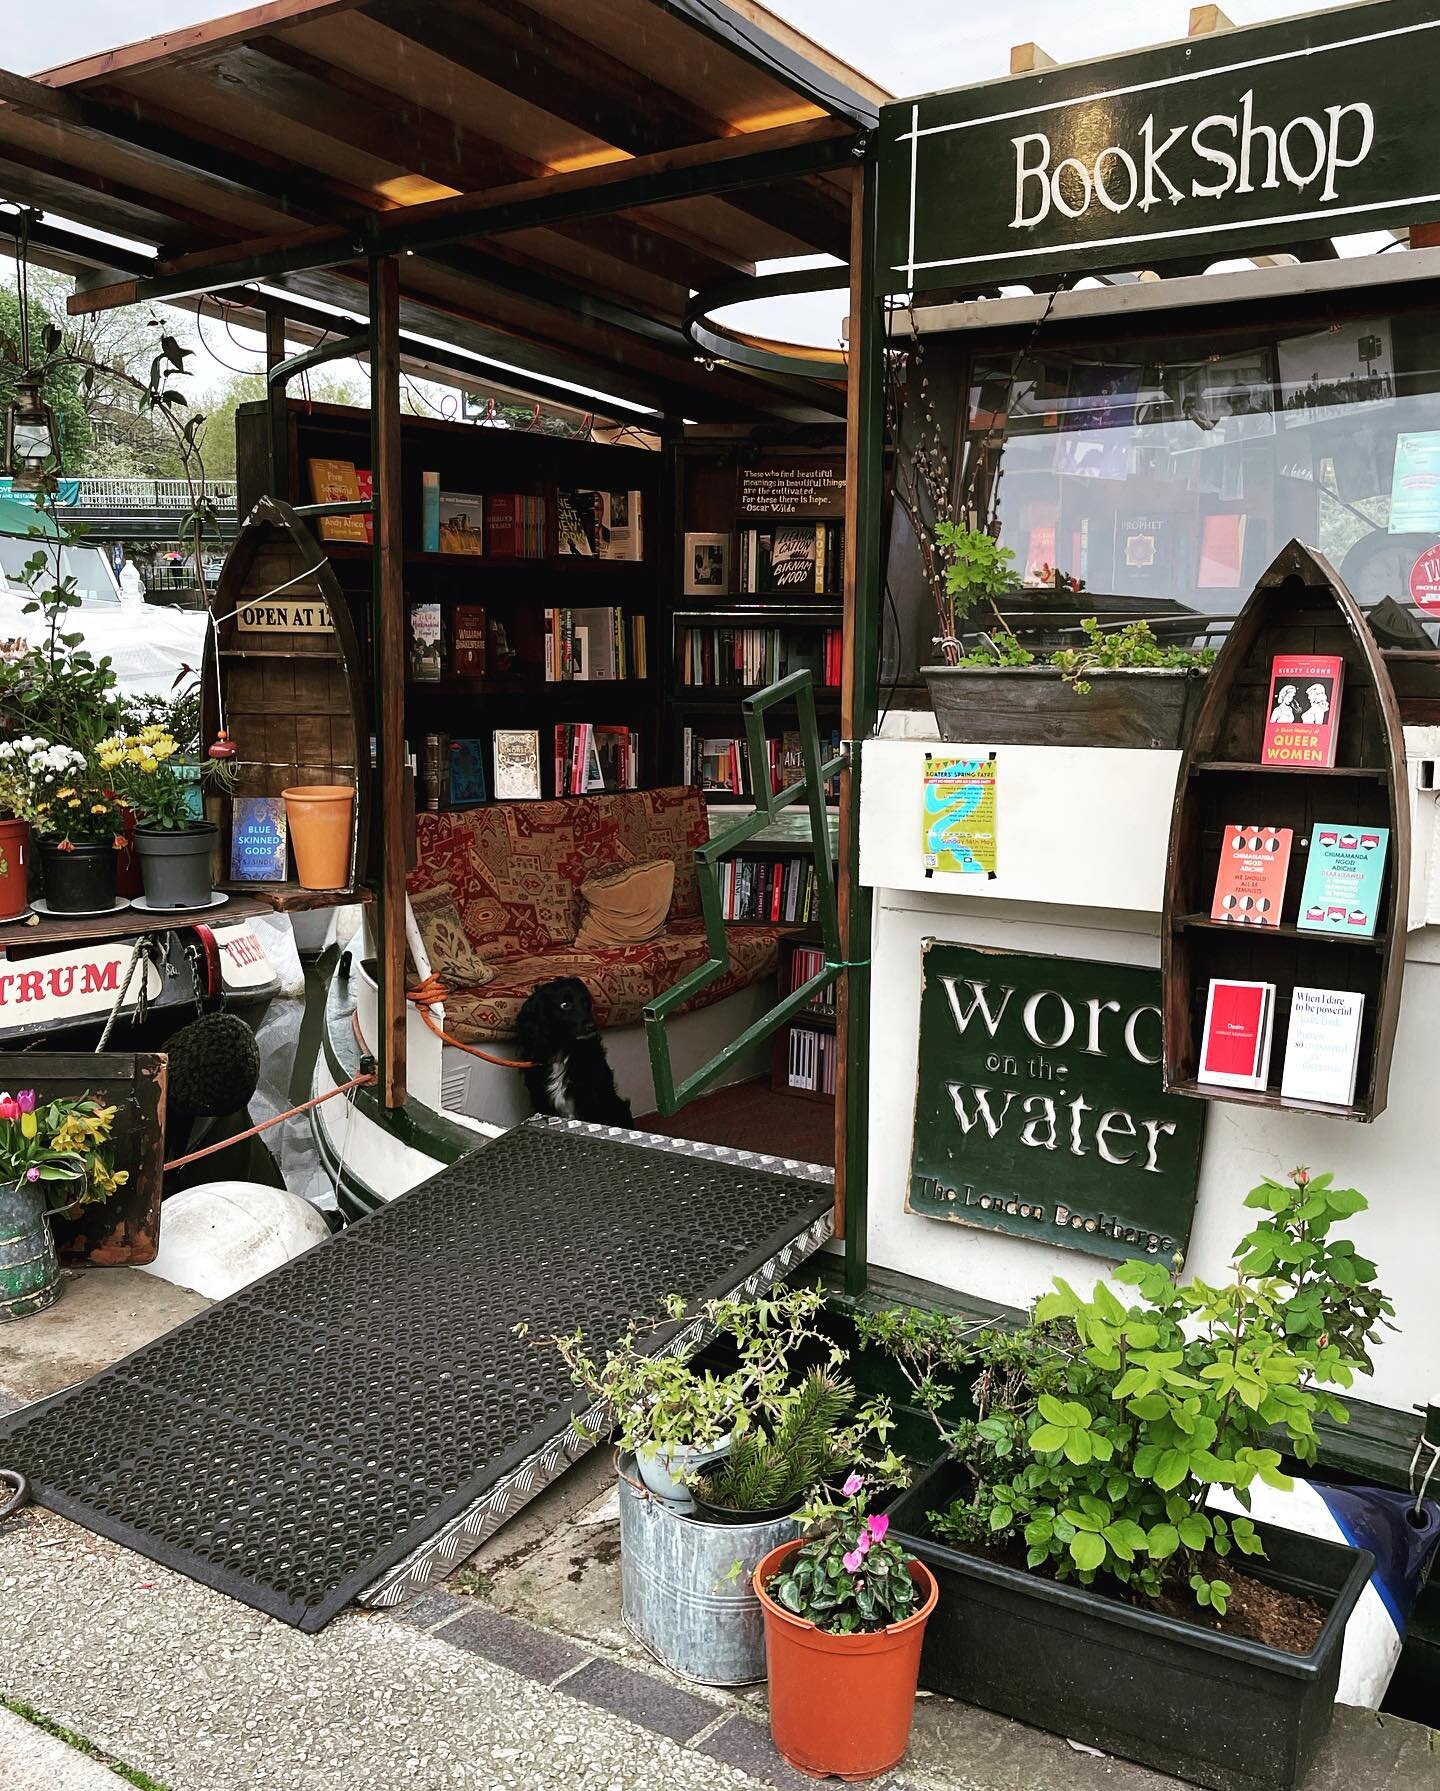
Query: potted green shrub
{"points": [[1070, 1515], [54, 1156], [174, 846], [845, 1609], [79, 824], [1120, 687]]}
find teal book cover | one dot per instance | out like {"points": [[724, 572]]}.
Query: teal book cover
{"points": [[467, 773], [1344, 874]]}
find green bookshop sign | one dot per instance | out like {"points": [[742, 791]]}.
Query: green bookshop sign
{"points": [[1039, 1109], [1307, 128]]}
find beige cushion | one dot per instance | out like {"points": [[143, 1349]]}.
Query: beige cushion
{"points": [[626, 907], [446, 945]]}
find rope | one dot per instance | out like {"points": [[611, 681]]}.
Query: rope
{"points": [[431, 992], [142, 947], [362, 1081]]}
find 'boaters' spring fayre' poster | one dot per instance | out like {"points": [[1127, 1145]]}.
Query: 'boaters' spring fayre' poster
{"points": [[960, 815]]}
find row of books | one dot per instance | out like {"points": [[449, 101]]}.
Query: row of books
{"points": [[594, 644], [720, 764], [728, 655], [1340, 893], [807, 961], [1153, 553], [458, 638], [812, 1057], [601, 525], [591, 758], [793, 559], [768, 889], [1322, 1043]]}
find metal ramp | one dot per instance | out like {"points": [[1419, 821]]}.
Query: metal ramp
{"points": [[366, 1415]]}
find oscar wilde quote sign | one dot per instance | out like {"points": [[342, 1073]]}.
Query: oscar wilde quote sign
{"points": [[1039, 1109]]}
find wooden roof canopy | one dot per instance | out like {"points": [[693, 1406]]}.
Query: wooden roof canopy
{"points": [[558, 176]]}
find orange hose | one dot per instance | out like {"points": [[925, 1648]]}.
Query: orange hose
{"points": [[265, 1124]]}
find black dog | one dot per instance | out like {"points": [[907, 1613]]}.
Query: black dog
{"points": [[571, 1078]]}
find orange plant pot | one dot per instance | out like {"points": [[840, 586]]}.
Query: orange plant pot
{"points": [[319, 819], [841, 1705], [14, 868]]}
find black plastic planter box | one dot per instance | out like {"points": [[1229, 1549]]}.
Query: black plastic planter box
{"points": [[1217, 1710]]}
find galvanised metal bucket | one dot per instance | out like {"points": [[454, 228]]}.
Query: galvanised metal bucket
{"points": [[29, 1267], [685, 1586]]}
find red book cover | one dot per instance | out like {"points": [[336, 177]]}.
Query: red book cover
{"points": [[1303, 711], [467, 641], [365, 479], [1250, 884], [1235, 1045], [502, 524]]}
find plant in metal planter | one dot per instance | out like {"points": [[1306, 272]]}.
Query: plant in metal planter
{"points": [[174, 847], [54, 1156], [845, 1612], [1099, 1429]]}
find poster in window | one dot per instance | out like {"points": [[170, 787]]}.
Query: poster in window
{"points": [[1330, 373], [1216, 402], [1415, 484]]}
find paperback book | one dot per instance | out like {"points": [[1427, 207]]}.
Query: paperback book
{"points": [[1235, 1042], [517, 764], [336, 482], [1322, 1048], [257, 839], [1303, 711], [468, 787], [468, 635], [1344, 875], [427, 650], [1250, 883], [601, 525], [461, 522]]}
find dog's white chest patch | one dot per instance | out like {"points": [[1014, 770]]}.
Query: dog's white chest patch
{"points": [[560, 1097]]}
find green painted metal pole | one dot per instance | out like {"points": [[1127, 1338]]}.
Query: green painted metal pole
{"points": [[865, 464]]}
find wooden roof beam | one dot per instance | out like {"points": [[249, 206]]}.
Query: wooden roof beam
{"points": [[785, 152], [170, 47]]}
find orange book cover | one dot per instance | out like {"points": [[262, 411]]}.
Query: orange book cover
{"points": [[336, 482], [1250, 884]]}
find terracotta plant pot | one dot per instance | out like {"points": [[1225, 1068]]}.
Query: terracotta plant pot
{"points": [[175, 863], [14, 868], [81, 881], [319, 818], [841, 1704]]}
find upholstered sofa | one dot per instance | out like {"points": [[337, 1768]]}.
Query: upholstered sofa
{"points": [[515, 869]]}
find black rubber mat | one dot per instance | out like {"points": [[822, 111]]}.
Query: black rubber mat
{"points": [[299, 1438]]}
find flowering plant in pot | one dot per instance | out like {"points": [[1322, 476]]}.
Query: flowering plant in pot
{"points": [[80, 825], [22, 765], [845, 1609], [174, 846], [54, 1155]]}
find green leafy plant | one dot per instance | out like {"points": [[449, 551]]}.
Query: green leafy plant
{"points": [[850, 1576], [1122, 649], [776, 1464], [1000, 648], [142, 769], [1101, 1425], [975, 569]]}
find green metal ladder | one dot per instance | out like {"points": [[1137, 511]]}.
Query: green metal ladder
{"points": [[768, 803]]}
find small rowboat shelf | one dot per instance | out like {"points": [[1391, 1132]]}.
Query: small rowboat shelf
{"points": [[1299, 606], [290, 675]]}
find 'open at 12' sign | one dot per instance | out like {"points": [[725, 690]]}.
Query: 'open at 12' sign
{"points": [[1039, 1107]]}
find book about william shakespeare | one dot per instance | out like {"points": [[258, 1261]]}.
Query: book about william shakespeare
{"points": [[1344, 876], [1303, 710], [1250, 883]]}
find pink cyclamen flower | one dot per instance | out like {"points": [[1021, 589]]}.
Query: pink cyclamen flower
{"points": [[32, 1174], [853, 1561], [877, 1527], [852, 1486], [25, 1100]]}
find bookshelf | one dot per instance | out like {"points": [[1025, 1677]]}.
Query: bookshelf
{"points": [[804, 1060], [506, 686]]}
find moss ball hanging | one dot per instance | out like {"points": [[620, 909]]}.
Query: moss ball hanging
{"points": [[214, 1066]]}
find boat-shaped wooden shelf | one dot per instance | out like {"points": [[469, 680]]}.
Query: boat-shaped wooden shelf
{"points": [[290, 676], [1299, 606]]}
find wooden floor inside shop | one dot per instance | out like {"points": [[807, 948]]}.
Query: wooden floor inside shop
{"points": [[754, 1116]]}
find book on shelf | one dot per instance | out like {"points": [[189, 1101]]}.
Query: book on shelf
{"points": [[336, 482], [365, 479], [1322, 1046], [1303, 710], [780, 891], [461, 522], [792, 559], [707, 565], [1344, 875], [467, 787], [258, 834], [515, 526], [807, 961], [733, 655], [1222, 551], [434, 772], [1143, 556], [601, 644], [591, 758], [427, 643], [1235, 1042], [516, 753], [601, 525], [811, 1056], [1250, 883], [468, 636], [720, 764], [430, 512]]}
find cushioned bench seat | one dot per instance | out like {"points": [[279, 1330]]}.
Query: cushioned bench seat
{"points": [[514, 871]]}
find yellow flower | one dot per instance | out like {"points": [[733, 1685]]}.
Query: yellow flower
{"points": [[28, 1127], [148, 764], [97, 808], [65, 792], [74, 802]]}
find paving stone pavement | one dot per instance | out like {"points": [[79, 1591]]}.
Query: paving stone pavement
{"points": [[33, 1760]]}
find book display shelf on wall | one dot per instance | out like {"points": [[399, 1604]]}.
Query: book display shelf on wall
{"points": [[501, 661], [805, 1056], [1299, 608], [758, 594]]}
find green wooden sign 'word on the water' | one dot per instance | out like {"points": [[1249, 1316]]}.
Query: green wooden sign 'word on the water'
{"points": [[1307, 128], [1039, 1109]]}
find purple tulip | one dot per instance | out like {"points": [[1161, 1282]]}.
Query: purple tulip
{"points": [[32, 1174], [25, 1100]]}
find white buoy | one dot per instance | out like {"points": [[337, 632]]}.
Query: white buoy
{"points": [[221, 1236]]}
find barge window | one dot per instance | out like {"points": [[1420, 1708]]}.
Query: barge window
{"points": [[1166, 474]]}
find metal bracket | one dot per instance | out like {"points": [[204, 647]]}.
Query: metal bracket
{"points": [[768, 804]]}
